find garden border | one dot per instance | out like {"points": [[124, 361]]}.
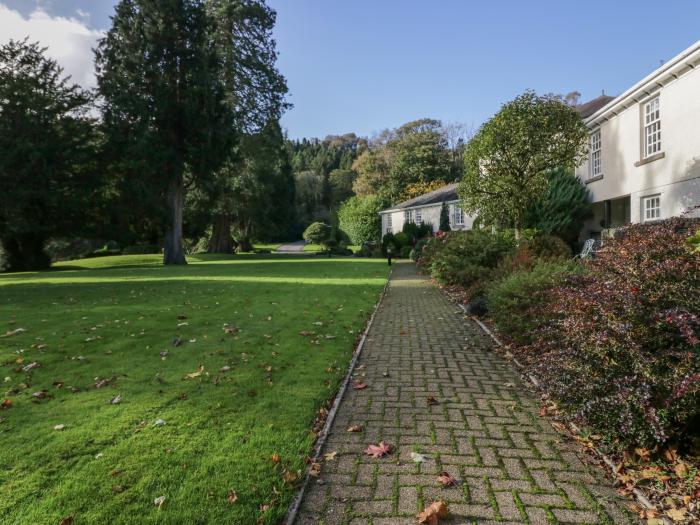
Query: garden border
{"points": [[321, 438], [573, 429]]}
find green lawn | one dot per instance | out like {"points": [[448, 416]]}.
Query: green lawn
{"points": [[115, 319]]}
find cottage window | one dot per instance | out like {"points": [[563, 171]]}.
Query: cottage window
{"points": [[408, 216], [596, 160], [419, 217], [388, 223], [459, 216], [651, 208], [652, 128]]}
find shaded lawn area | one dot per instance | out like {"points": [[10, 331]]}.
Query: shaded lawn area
{"points": [[111, 318]]}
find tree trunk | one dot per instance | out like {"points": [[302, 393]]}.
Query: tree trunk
{"points": [[221, 240], [173, 252], [244, 244], [25, 253]]}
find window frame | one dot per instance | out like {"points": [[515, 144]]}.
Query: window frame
{"points": [[389, 225], [656, 210], [651, 127], [418, 219], [596, 155], [408, 216]]}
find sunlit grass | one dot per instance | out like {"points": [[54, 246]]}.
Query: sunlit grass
{"points": [[111, 318]]}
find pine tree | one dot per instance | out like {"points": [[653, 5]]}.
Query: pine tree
{"points": [[48, 178], [445, 218], [159, 73]]}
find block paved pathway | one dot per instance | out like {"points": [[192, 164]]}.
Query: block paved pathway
{"points": [[513, 467]]}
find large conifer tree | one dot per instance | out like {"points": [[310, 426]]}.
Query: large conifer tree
{"points": [[159, 74]]}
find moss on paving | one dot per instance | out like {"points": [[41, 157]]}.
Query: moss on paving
{"points": [[111, 318]]}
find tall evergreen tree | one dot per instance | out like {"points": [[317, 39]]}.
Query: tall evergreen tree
{"points": [[159, 74], [48, 179]]}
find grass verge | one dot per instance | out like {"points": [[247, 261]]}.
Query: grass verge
{"points": [[238, 385]]}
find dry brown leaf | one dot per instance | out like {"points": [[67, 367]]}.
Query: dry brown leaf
{"points": [[7, 403], [681, 470], [330, 456], [378, 451], [356, 428], [232, 496], [643, 453], [67, 520], [197, 373], [289, 477], [676, 514], [445, 479], [358, 385], [315, 470], [432, 401], [433, 513], [275, 458]]}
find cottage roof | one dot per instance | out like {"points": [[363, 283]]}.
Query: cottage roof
{"points": [[444, 194]]}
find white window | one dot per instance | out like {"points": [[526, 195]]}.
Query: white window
{"points": [[651, 208], [388, 223], [408, 216], [596, 161], [419, 217], [459, 216], [652, 128]]}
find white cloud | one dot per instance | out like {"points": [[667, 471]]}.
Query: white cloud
{"points": [[69, 40]]}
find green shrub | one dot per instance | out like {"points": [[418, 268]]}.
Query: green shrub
{"points": [[359, 217], [405, 252], [531, 251], [418, 250], [318, 233], [387, 240], [417, 231], [402, 239], [465, 257], [515, 300]]}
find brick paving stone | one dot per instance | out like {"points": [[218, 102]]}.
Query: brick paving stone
{"points": [[485, 430]]}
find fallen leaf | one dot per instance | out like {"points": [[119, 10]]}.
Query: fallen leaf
{"points": [[681, 470], [305, 333], [289, 477], [356, 428], [195, 374], [41, 394], [643, 453], [177, 341], [159, 422], [103, 382], [16, 331], [378, 451], [445, 479], [330, 456], [7, 403], [433, 513], [224, 368], [671, 454], [275, 458], [418, 458], [432, 401], [116, 400], [676, 514], [232, 496], [358, 385], [118, 489], [67, 520], [315, 470], [158, 502], [30, 366], [60, 427]]}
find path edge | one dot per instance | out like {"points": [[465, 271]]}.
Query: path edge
{"points": [[321, 439]]}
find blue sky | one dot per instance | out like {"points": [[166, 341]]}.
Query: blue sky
{"points": [[365, 65]]}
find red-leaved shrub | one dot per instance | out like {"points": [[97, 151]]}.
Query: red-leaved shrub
{"points": [[622, 353]]}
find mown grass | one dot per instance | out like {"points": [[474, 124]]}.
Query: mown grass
{"points": [[111, 318]]}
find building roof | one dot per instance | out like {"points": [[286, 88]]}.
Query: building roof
{"points": [[588, 108], [686, 61], [445, 194]]}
